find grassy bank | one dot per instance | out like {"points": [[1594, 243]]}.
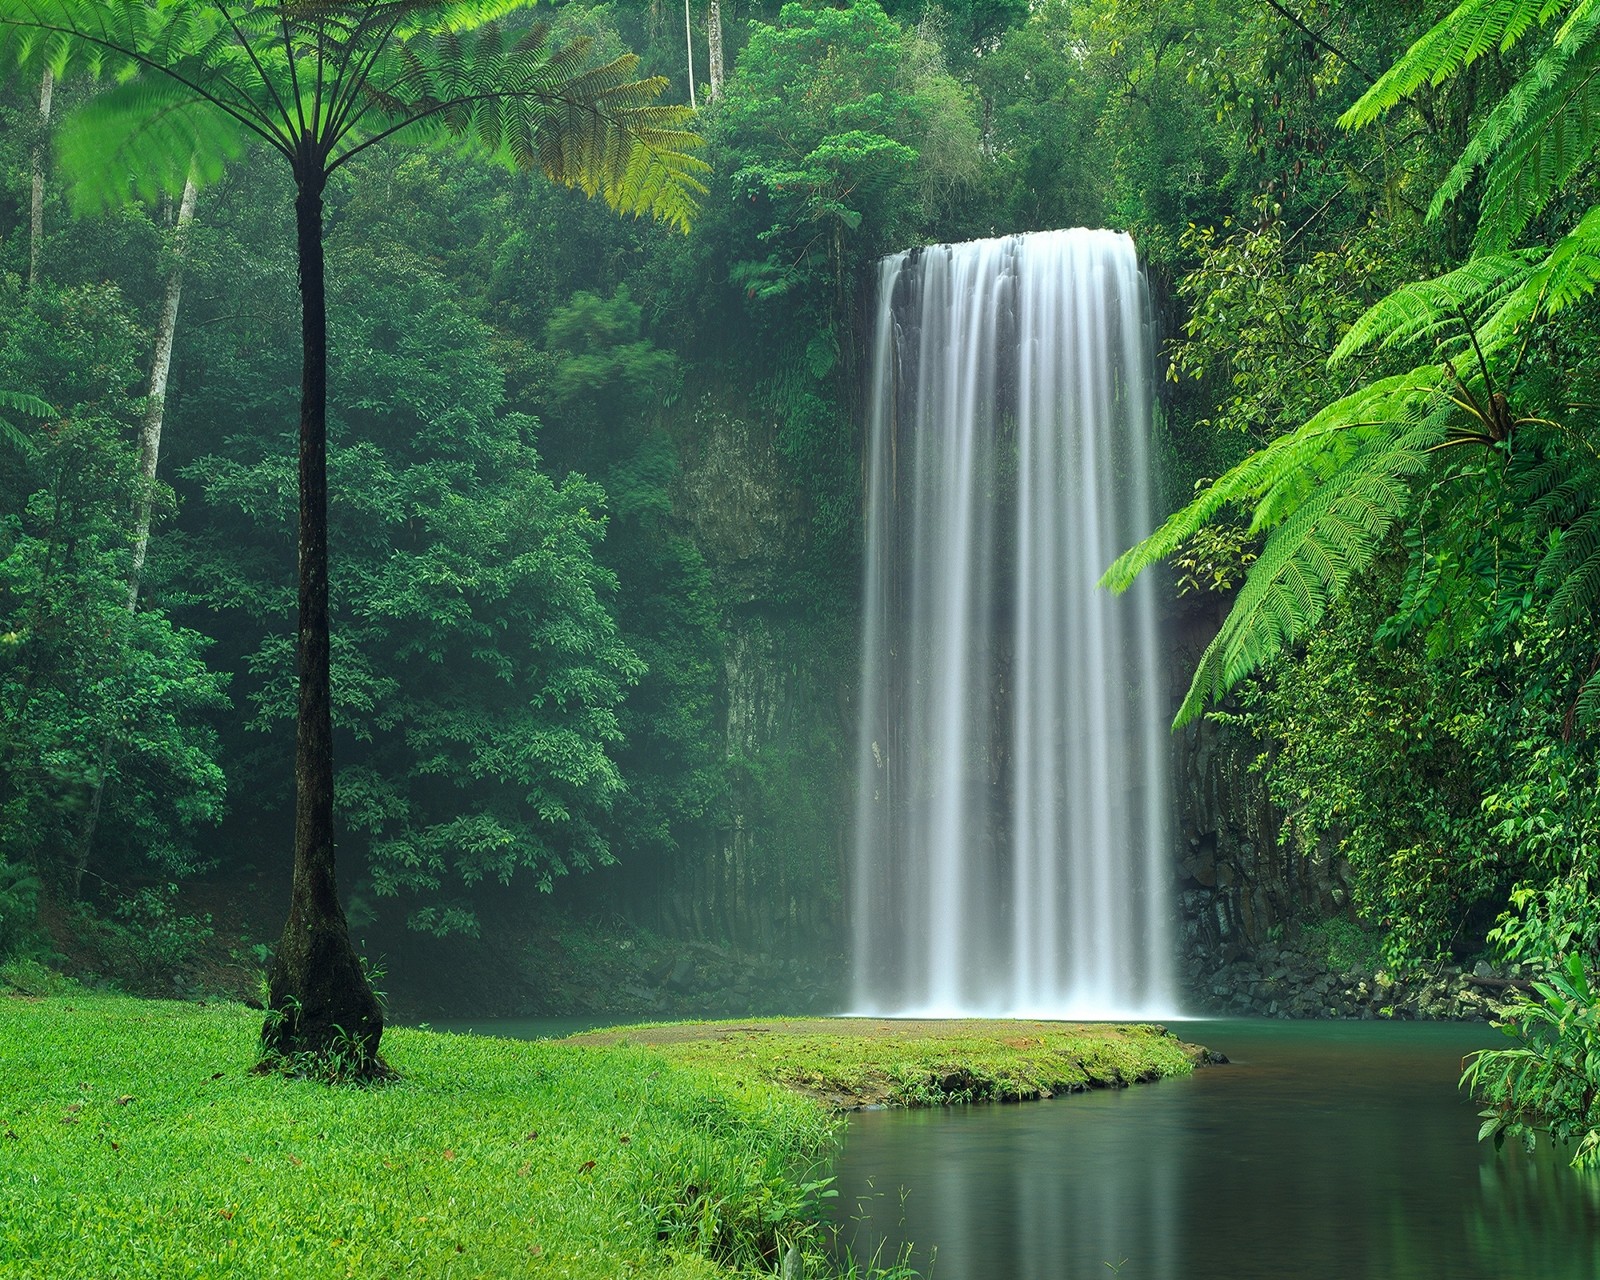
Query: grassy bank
{"points": [[135, 1142], [853, 1062]]}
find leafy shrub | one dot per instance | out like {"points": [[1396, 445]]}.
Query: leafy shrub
{"points": [[1548, 1082], [145, 940], [19, 908], [1338, 945]]}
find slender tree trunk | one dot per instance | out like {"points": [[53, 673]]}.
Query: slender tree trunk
{"points": [[688, 40], [320, 1002], [714, 48], [149, 456], [155, 405], [47, 89]]}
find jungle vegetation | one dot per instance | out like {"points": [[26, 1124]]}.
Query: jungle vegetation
{"points": [[1372, 230]]}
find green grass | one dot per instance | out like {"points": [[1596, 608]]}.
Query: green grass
{"points": [[848, 1062], [135, 1142]]}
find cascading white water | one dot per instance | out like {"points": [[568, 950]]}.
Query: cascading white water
{"points": [[1013, 853]]}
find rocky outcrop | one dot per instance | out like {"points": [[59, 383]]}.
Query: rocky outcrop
{"points": [[1284, 982], [1237, 884]]}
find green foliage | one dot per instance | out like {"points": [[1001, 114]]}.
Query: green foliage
{"points": [[1547, 1083], [479, 665], [843, 133], [19, 905], [146, 941], [1340, 945], [97, 699]]}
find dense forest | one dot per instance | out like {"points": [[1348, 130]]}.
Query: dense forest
{"points": [[595, 481]]}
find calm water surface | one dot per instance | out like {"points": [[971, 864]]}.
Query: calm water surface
{"points": [[1324, 1150]]}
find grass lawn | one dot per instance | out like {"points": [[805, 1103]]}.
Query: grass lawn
{"points": [[851, 1062], [135, 1142]]}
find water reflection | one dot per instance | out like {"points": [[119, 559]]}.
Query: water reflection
{"points": [[1327, 1150]]}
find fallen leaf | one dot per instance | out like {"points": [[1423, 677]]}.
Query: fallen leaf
{"points": [[521, 1173], [532, 1136], [296, 1161], [586, 1166], [449, 1153], [625, 1139], [216, 1075], [124, 1100], [460, 1249], [535, 1249], [225, 1213]]}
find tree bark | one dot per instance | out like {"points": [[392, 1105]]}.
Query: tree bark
{"points": [[320, 1003], [47, 86], [714, 48], [688, 40], [155, 405]]}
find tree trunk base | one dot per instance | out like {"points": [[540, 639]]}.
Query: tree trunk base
{"points": [[323, 1019]]}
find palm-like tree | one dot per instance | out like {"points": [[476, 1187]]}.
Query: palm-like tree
{"points": [[319, 82]]}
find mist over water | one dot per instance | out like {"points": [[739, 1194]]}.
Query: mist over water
{"points": [[1012, 851]]}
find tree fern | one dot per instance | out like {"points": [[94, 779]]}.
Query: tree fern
{"points": [[1536, 137], [319, 82], [1310, 560], [1433, 309], [1267, 482], [1472, 29]]}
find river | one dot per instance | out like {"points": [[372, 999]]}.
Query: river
{"points": [[1322, 1151]]}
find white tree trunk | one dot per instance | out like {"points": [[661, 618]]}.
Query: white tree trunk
{"points": [[47, 89], [688, 40], [714, 52], [149, 454], [155, 404]]}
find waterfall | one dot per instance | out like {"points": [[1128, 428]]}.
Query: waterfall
{"points": [[1012, 846]]}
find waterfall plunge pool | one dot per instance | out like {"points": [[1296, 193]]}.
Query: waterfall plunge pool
{"points": [[1323, 1151]]}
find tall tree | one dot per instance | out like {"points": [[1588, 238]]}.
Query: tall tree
{"points": [[47, 90], [319, 82]]}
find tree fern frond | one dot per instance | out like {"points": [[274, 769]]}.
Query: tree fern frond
{"points": [[20, 402], [1540, 134], [1570, 570], [1277, 476], [1308, 562], [1471, 30], [1429, 307], [146, 137], [1568, 272], [1537, 95], [1587, 707]]}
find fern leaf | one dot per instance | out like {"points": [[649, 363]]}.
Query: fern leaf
{"points": [[19, 402], [1431, 307], [1567, 273], [1271, 481], [1472, 29], [1587, 707], [1308, 562], [1549, 128]]}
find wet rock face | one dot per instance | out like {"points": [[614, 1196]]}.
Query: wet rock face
{"points": [[1283, 982], [1236, 885]]}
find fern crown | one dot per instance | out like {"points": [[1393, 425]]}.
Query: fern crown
{"points": [[319, 81]]}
